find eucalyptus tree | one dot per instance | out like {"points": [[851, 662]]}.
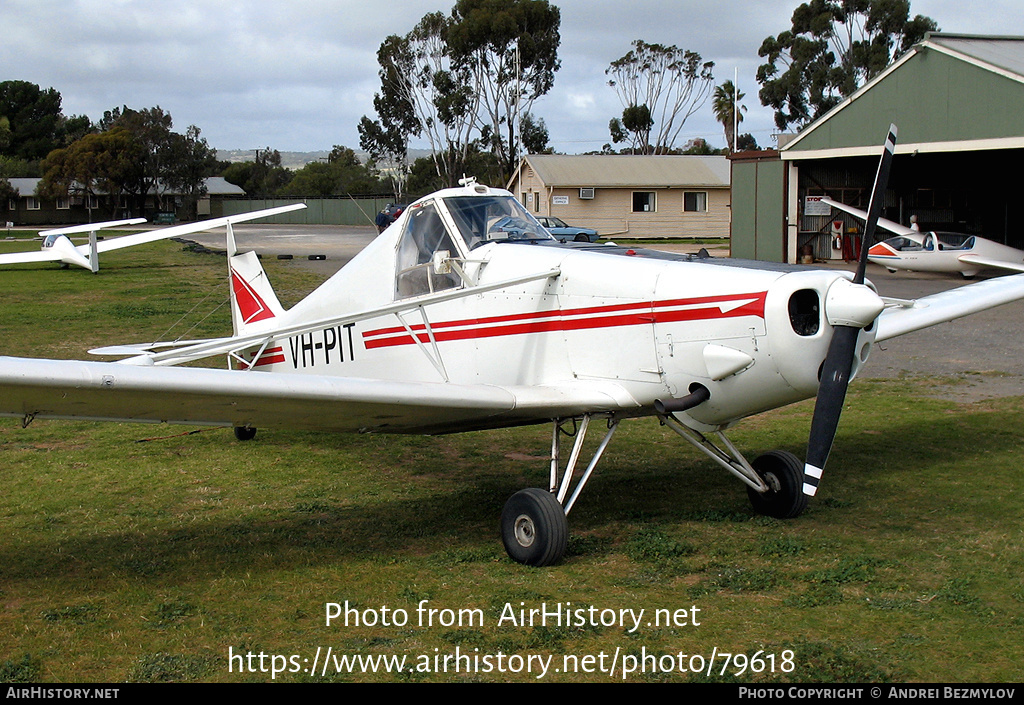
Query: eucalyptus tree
{"points": [[831, 50], [659, 87]]}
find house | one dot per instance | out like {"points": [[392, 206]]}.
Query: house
{"points": [[29, 209], [626, 196], [957, 102]]}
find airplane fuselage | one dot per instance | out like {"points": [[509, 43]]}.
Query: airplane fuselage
{"points": [[641, 326]]}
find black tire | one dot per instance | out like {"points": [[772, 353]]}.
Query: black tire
{"points": [[580, 237], [784, 474], [534, 528], [245, 433]]}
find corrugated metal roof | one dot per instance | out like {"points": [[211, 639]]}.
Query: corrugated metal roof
{"points": [[610, 171], [215, 186], [1002, 52]]}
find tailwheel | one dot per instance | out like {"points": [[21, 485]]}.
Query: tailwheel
{"points": [[534, 528], [245, 433], [782, 472]]}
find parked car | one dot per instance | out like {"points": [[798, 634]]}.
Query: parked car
{"points": [[563, 232]]}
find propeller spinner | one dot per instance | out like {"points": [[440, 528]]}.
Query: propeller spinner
{"points": [[851, 307]]}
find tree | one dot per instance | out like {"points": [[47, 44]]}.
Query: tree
{"points": [[534, 134], [430, 92], [150, 128], [262, 177], [728, 111], [512, 49], [188, 161], [34, 120], [103, 163], [455, 81], [341, 174], [659, 88], [833, 48]]}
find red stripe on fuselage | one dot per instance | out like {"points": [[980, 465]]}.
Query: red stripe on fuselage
{"points": [[617, 315]]}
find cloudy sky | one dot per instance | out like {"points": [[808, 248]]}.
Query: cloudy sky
{"points": [[298, 76]]}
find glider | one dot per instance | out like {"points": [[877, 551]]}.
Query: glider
{"points": [[918, 251], [57, 247]]}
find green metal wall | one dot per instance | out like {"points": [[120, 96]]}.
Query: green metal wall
{"points": [[758, 210], [319, 211]]}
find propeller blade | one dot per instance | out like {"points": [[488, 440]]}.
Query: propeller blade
{"points": [[875, 205], [838, 365], [835, 378]]}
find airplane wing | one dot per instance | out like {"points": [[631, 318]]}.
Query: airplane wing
{"points": [[889, 225], [104, 391], [186, 229], [995, 263], [909, 316], [90, 227], [31, 256]]}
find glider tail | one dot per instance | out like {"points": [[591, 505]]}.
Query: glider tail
{"points": [[254, 304]]}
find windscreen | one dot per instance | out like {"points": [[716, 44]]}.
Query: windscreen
{"points": [[483, 219]]}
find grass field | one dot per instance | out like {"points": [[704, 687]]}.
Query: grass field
{"points": [[133, 553]]}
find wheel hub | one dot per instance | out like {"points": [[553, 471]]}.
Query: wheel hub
{"points": [[525, 531]]}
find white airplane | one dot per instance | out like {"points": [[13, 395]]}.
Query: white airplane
{"points": [[936, 251], [57, 247], [446, 323]]}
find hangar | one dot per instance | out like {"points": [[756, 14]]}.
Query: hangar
{"points": [[958, 101]]}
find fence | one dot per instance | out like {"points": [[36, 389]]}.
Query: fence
{"points": [[318, 211]]}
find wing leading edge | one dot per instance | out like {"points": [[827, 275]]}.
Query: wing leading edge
{"points": [[948, 305], [32, 388]]}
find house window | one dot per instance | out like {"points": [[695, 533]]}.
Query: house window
{"points": [[32, 203], [94, 202], [695, 201], [644, 202], [63, 204]]}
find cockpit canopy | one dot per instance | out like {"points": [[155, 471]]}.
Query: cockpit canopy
{"points": [[429, 238], [929, 241]]}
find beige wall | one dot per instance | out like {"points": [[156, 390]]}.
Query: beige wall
{"points": [[611, 210]]}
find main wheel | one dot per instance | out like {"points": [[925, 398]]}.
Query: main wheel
{"points": [[245, 433], [534, 528], [784, 474]]}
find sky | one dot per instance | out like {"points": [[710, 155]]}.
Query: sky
{"points": [[298, 76]]}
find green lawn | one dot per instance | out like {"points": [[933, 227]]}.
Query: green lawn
{"points": [[134, 553]]}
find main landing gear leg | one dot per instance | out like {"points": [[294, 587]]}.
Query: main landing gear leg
{"points": [[534, 527], [774, 480]]}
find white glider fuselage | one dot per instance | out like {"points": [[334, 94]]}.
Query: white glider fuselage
{"points": [[635, 326], [945, 252]]}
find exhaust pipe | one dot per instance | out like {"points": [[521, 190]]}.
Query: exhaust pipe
{"points": [[698, 395]]}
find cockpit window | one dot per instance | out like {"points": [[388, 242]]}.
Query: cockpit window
{"points": [[493, 218], [50, 239], [903, 244], [424, 234]]}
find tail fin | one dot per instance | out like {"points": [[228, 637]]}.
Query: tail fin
{"points": [[254, 304]]}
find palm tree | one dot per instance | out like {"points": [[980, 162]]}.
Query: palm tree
{"points": [[724, 103]]}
